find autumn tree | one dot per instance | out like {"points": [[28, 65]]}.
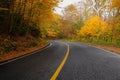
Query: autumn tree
{"points": [[5, 15], [54, 30], [71, 13], [94, 28], [26, 16], [114, 19], [71, 20]]}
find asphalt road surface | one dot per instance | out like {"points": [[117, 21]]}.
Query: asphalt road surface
{"points": [[80, 62]]}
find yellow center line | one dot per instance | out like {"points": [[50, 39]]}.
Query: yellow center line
{"points": [[61, 65]]}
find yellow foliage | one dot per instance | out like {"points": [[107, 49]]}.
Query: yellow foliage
{"points": [[93, 27], [51, 26], [52, 33]]}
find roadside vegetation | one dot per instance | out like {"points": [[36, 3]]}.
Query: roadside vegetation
{"points": [[95, 22], [28, 23], [25, 24]]}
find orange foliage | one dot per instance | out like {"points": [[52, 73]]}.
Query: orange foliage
{"points": [[116, 3]]}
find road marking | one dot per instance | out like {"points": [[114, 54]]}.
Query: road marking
{"points": [[61, 65], [108, 51]]}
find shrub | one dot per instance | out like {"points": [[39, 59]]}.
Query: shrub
{"points": [[10, 46], [33, 43], [118, 42], [35, 32]]}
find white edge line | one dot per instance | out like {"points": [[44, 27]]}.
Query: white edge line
{"points": [[104, 50], [31, 53]]}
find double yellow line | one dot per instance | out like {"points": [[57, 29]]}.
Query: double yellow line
{"points": [[61, 65]]}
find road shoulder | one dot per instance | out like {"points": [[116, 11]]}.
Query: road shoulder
{"points": [[17, 54]]}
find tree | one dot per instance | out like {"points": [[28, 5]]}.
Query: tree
{"points": [[93, 28], [71, 13], [114, 20], [26, 16]]}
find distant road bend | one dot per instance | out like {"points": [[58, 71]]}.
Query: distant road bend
{"points": [[64, 61]]}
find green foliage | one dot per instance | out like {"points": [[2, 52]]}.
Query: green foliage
{"points": [[78, 24], [118, 42], [33, 43], [18, 30], [35, 32], [1, 47], [7, 46], [11, 46]]}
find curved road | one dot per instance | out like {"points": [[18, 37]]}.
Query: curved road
{"points": [[80, 62]]}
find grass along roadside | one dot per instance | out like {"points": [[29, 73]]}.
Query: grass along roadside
{"points": [[21, 47], [15, 54], [108, 47]]}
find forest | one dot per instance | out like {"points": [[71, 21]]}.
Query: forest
{"points": [[30, 22], [94, 21], [24, 23]]}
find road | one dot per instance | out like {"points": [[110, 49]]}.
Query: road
{"points": [[66, 61]]}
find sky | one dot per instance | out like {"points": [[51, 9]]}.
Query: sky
{"points": [[63, 4]]}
